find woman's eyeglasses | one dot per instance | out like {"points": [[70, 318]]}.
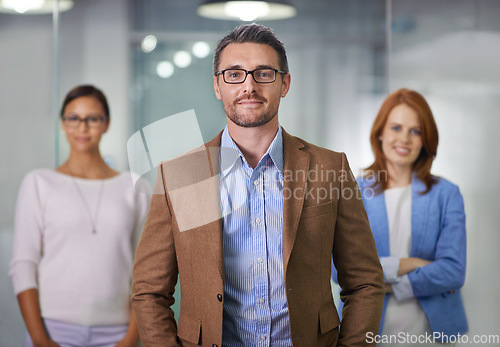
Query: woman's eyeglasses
{"points": [[91, 121]]}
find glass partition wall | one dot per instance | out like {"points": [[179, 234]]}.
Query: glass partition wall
{"points": [[336, 53], [26, 134], [344, 57], [449, 51]]}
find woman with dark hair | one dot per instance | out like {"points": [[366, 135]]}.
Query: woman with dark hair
{"points": [[76, 229], [418, 222]]}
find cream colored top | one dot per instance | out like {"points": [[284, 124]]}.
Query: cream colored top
{"points": [[82, 277], [405, 315]]}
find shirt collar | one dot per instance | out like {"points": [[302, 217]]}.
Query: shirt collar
{"points": [[230, 152], [275, 151]]}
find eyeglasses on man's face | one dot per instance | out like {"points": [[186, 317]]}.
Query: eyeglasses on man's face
{"points": [[91, 121], [236, 76]]}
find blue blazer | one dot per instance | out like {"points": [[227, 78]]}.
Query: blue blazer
{"points": [[438, 235]]}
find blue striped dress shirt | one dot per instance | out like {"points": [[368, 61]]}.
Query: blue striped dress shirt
{"points": [[255, 306]]}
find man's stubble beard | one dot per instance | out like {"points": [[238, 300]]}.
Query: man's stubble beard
{"points": [[246, 121]]}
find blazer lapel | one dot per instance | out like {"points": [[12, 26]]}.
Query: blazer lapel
{"points": [[296, 165], [419, 207], [377, 215], [215, 229]]}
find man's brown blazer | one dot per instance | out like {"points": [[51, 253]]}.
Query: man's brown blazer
{"points": [[323, 216]]}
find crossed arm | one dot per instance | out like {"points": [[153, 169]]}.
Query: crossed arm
{"points": [[407, 265]]}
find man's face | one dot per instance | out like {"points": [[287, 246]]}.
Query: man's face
{"points": [[250, 104]]}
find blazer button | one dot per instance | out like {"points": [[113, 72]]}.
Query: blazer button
{"points": [[214, 345], [219, 297]]}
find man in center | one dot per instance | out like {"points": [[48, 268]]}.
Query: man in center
{"points": [[250, 223]]}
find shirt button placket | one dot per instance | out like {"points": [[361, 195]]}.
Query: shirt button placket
{"points": [[258, 211]]}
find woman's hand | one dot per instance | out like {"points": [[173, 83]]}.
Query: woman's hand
{"points": [[30, 309], [407, 265], [131, 339], [46, 343], [128, 342]]}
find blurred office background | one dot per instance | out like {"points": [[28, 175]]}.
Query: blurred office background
{"points": [[344, 57]]}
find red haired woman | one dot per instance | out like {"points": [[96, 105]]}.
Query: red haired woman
{"points": [[418, 222]]}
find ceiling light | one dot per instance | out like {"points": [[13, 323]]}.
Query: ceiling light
{"points": [[148, 44], [33, 6], [246, 10], [165, 69], [182, 59], [201, 49]]}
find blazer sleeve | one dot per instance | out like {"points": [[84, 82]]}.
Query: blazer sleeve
{"points": [[356, 260], [155, 273], [447, 270]]}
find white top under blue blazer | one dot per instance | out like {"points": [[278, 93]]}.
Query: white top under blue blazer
{"points": [[438, 235]]}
